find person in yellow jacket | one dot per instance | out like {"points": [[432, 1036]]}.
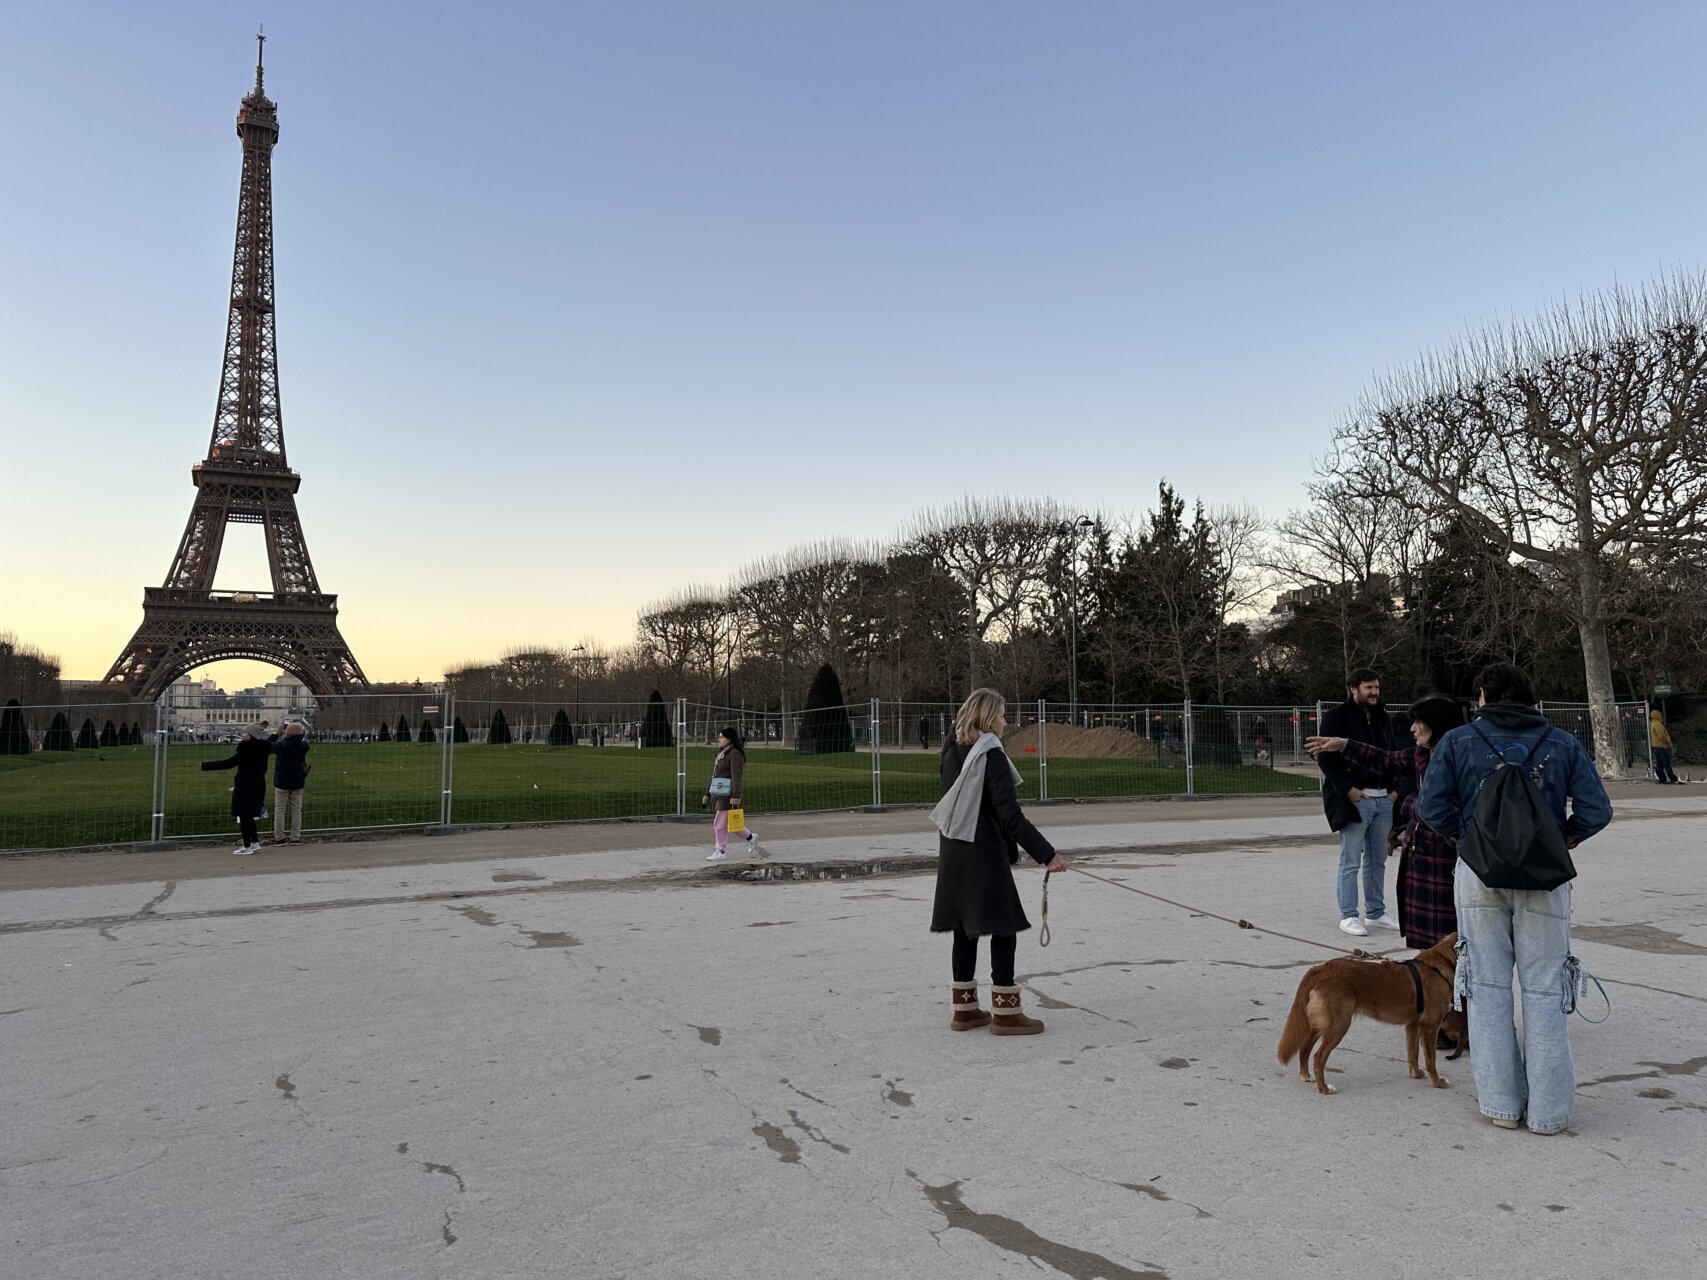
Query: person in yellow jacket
{"points": [[1660, 740]]}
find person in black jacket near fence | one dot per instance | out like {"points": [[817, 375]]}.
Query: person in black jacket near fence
{"points": [[249, 790], [290, 775], [983, 829], [1356, 803]]}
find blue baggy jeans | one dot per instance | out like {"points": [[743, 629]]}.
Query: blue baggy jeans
{"points": [[1530, 931], [1363, 845]]}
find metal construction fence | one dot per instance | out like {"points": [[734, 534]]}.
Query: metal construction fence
{"points": [[129, 773]]}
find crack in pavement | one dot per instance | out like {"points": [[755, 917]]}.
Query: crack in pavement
{"points": [[449, 1172], [808, 1096], [1015, 1237], [1689, 1068], [157, 899], [815, 1133], [674, 879], [1638, 937]]}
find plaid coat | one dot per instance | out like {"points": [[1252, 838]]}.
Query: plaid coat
{"points": [[1426, 913]]}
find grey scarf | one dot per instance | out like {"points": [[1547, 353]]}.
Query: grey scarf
{"points": [[956, 814]]}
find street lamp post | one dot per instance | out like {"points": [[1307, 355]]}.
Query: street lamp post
{"points": [[1083, 522], [580, 667]]}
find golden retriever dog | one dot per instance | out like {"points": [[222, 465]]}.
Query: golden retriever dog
{"points": [[1332, 994]]}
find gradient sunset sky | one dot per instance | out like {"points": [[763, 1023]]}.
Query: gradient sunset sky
{"points": [[581, 303]]}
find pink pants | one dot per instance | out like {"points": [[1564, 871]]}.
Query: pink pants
{"points": [[720, 824]]}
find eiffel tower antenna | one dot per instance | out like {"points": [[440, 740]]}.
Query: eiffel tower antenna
{"points": [[245, 479], [260, 56]]}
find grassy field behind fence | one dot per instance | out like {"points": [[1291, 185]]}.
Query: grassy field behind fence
{"points": [[67, 799]]}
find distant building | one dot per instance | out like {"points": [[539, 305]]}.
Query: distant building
{"points": [[201, 707], [1378, 584]]}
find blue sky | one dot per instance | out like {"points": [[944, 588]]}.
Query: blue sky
{"points": [[580, 303]]}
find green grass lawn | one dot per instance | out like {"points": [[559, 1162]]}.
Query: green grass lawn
{"points": [[67, 799]]}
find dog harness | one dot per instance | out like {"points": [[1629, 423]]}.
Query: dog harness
{"points": [[1416, 981]]}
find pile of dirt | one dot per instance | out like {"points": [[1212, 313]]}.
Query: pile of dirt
{"points": [[1068, 742]]}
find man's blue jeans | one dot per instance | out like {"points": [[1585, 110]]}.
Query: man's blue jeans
{"points": [[1364, 844], [1525, 929]]}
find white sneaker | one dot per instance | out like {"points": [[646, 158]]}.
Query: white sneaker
{"points": [[1385, 921], [1353, 926], [243, 851], [716, 855], [752, 836]]}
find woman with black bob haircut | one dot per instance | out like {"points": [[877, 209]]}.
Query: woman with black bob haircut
{"points": [[723, 793], [1427, 860]]}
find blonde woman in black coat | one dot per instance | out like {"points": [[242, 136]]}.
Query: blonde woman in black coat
{"points": [[982, 829], [249, 790]]}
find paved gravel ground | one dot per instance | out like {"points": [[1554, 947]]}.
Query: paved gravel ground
{"points": [[537, 1056]]}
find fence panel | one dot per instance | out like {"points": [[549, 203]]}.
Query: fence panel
{"points": [[1245, 750], [374, 760], [76, 774], [826, 763], [1107, 750], [557, 762], [1575, 718]]}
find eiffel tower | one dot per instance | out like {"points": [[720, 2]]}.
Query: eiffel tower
{"points": [[246, 480]]}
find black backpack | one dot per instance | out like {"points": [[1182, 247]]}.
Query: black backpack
{"points": [[1512, 840]]}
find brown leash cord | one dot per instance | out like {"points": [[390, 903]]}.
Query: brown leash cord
{"points": [[1357, 953], [1043, 933]]}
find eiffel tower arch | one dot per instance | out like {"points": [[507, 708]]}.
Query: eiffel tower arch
{"points": [[244, 479]]}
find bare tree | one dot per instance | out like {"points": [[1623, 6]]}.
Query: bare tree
{"points": [[1239, 581], [1353, 550], [685, 634], [1577, 443], [997, 551], [28, 674]]}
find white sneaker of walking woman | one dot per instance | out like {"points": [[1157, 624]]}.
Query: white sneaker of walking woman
{"points": [[243, 851]]}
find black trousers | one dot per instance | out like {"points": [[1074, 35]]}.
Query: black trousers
{"points": [[247, 827], [1002, 948]]}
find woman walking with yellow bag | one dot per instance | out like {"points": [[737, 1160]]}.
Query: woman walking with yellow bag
{"points": [[724, 792]]}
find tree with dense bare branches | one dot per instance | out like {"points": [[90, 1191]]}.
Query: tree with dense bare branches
{"points": [[1237, 582], [996, 550], [800, 608], [1345, 556], [26, 673], [1576, 443], [685, 633]]}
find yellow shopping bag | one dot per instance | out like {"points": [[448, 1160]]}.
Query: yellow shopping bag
{"points": [[737, 820]]}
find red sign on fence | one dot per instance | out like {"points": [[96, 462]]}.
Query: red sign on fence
{"points": [[429, 711]]}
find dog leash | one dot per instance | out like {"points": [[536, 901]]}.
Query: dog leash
{"points": [[1356, 953], [1043, 933]]}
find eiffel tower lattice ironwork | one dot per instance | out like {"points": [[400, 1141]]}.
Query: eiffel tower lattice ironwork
{"points": [[245, 479]]}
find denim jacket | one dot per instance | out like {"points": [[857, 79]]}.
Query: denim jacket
{"points": [[1564, 770]]}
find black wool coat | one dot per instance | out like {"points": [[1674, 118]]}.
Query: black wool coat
{"points": [[1370, 726], [249, 790], [975, 890]]}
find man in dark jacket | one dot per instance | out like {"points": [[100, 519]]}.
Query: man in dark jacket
{"points": [[1526, 929], [1356, 802], [290, 775]]}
